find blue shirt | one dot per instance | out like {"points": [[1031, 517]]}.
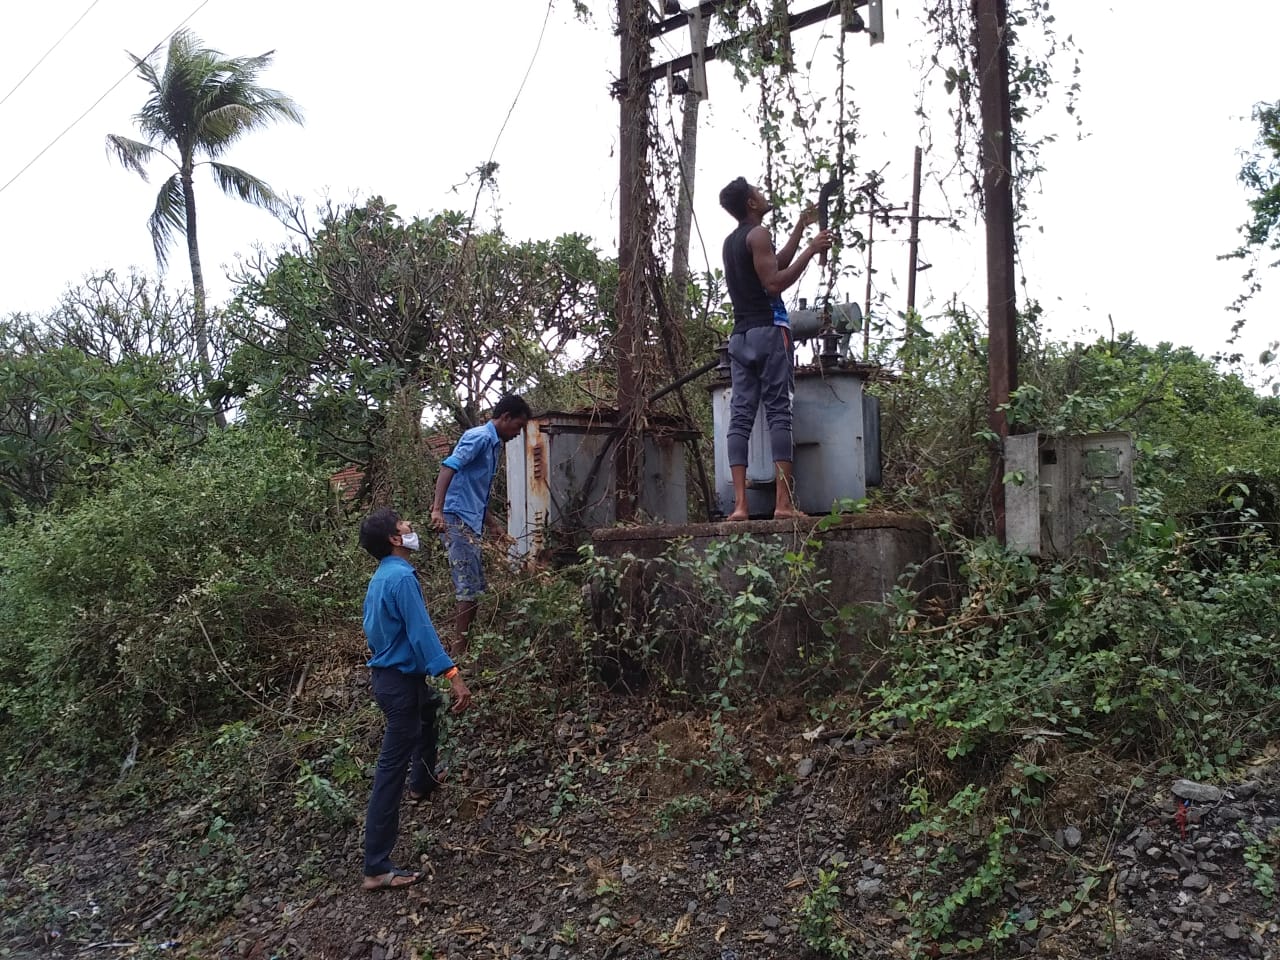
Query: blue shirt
{"points": [[780, 317], [474, 462], [396, 624]]}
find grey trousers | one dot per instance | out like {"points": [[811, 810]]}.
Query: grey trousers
{"points": [[760, 369]]}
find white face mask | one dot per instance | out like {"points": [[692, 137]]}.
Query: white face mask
{"points": [[409, 540]]}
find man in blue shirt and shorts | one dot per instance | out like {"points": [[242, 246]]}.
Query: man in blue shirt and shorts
{"points": [[405, 654], [461, 508]]}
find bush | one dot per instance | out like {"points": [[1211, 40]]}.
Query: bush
{"points": [[1153, 655], [176, 595], [714, 620]]}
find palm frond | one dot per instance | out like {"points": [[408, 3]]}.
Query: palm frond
{"points": [[199, 101], [132, 154], [146, 69], [169, 218], [242, 184], [227, 122]]}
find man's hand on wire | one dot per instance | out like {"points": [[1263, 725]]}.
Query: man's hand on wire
{"points": [[808, 217], [821, 242]]}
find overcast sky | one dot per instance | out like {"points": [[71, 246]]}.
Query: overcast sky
{"points": [[403, 99]]}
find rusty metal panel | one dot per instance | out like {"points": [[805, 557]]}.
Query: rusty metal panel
{"points": [[1101, 488], [664, 493], [1074, 493], [564, 474]]}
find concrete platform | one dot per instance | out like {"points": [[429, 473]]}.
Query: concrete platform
{"points": [[863, 556]]}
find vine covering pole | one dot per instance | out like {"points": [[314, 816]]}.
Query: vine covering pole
{"points": [[992, 55], [633, 242]]}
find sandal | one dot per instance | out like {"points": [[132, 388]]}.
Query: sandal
{"points": [[394, 880]]}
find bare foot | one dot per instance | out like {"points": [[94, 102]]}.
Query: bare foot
{"points": [[738, 515], [788, 513]]}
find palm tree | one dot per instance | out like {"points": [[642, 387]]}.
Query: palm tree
{"points": [[200, 104]]}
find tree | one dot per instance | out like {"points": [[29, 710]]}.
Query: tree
{"points": [[371, 306], [109, 373], [200, 104], [1260, 175]]}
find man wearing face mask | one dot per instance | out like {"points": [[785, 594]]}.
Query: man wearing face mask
{"points": [[406, 654]]}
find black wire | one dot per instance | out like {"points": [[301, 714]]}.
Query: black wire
{"points": [[126, 76], [47, 52]]}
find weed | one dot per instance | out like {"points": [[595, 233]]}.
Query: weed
{"points": [[317, 794], [933, 839], [1150, 655], [568, 791], [820, 920], [1261, 857], [684, 807]]}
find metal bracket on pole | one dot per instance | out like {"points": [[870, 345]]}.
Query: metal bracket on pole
{"points": [[697, 48], [875, 21]]}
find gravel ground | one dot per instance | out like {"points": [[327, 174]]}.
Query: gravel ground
{"points": [[641, 833]]}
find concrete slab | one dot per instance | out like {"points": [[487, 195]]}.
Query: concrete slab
{"points": [[863, 556]]}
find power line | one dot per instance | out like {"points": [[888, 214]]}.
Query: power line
{"points": [[47, 52], [126, 76], [532, 60]]}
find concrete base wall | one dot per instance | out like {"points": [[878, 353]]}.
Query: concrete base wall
{"points": [[863, 556]]}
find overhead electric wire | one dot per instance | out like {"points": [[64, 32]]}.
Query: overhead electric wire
{"points": [[104, 96], [528, 70], [47, 52]]}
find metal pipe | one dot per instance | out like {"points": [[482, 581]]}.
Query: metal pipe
{"points": [[691, 375]]}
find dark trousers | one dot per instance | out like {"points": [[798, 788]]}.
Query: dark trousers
{"points": [[760, 371], [410, 704]]}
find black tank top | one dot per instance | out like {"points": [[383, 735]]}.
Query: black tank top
{"points": [[752, 305]]}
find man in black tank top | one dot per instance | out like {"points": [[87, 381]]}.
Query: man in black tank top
{"points": [[760, 344]]}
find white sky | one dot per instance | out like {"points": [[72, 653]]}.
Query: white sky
{"points": [[402, 99]]}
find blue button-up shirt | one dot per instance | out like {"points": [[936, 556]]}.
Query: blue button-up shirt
{"points": [[474, 462], [396, 623]]}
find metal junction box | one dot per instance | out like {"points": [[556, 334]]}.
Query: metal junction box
{"points": [[561, 479], [1067, 495]]}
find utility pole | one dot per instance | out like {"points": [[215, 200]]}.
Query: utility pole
{"points": [[633, 243], [871, 246], [695, 93], [684, 203], [635, 225], [991, 19], [914, 243]]}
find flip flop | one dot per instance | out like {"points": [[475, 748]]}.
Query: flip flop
{"points": [[394, 880]]}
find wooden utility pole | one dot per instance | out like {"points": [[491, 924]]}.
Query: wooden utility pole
{"points": [[914, 243], [635, 225], [633, 243], [991, 17]]}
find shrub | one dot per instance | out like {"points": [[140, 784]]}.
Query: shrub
{"points": [[1152, 654], [175, 595]]}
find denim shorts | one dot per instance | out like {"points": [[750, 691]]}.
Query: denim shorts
{"points": [[463, 546]]}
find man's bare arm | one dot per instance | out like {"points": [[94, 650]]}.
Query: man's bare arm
{"points": [[807, 219], [774, 277]]}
